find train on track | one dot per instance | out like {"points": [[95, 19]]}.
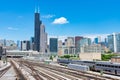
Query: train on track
{"points": [[106, 67], [82, 68]]}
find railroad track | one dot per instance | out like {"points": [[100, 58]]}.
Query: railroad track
{"points": [[59, 72], [42, 71], [72, 72], [38, 75], [2, 72], [41, 74], [62, 74]]}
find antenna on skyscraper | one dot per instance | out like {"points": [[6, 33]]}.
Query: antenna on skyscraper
{"points": [[37, 6], [38, 9]]}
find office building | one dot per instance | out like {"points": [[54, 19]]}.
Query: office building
{"points": [[83, 42], [68, 46], [91, 52], [95, 48], [60, 43], [3, 42], [18, 44], [114, 42], [46, 43], [70, 42], [106, 42], [90, 56], [25, 45], [97, 40], [39, 34], [37, 25], [111, 42], [77, 40], [1, 51], [43, 39], [53, 44], [32, 43], [9, 44]]}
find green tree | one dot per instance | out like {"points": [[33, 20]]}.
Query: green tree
{"points": [[109, 52], [106, 57], [67, 56], [51, 57]]}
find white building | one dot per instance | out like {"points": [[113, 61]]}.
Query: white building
{"points": [[91, 52], [68, 47]]}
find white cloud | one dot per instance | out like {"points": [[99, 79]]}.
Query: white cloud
{"points": [[11, 28], [61, 20], [48, 16]]}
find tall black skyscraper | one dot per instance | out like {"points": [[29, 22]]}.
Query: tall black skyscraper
{"points": [[37, 30]]}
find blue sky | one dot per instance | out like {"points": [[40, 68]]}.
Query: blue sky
{"points": [[61, 17]]}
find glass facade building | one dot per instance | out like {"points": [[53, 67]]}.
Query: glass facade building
{"points": [[114, 42], [53, 44]]}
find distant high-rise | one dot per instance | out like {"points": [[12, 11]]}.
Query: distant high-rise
{"points": [[77, 40], [53, 44], [106, 42], [1, 51], [97, 40], [83, 42], [114, 42], [39, 34], [25, 45], [32, 43], [18, 44]]}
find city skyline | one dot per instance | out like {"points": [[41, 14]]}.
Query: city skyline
{"points": [[81, 18]]}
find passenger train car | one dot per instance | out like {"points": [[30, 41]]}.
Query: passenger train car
{"points": [[106, 67], [78, 67]]}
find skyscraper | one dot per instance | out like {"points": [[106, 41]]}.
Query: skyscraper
{"points": [[1, 51], [37, 30], [53, 44], [77, 40], [18, 44], [114, 42], [97, 40], [42, 38], [25, 45], [39, 34], [32, 43]]}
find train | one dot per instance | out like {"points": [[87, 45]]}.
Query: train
{"points": [[106, 67], [82, 68]]}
